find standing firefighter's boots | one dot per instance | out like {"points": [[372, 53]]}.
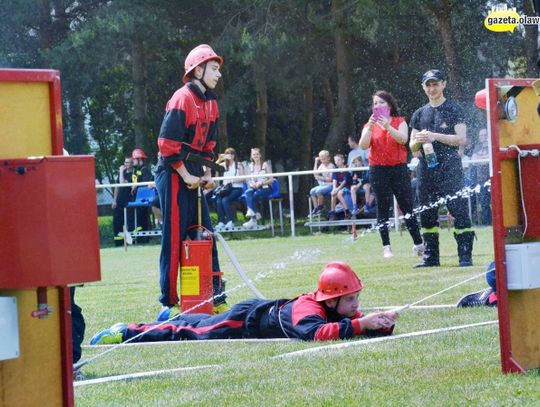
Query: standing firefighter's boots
{"points": [[431, 254], [464, 247]]}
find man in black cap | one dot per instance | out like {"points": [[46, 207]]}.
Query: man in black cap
{"points": [[439, 128]]}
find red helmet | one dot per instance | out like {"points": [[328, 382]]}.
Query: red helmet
{"points": [[138, 153], [480, 99], [198, 56], [337, 279]]}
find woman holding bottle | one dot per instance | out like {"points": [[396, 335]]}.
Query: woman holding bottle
{"points": [[386, 134]]}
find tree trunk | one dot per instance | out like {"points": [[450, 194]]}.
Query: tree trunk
{"points": [[531, 43], [442, 11], [306, 162], [261, 113], [328, 99], [342, 124], [223, 136], [77, 135], [140, 102]]}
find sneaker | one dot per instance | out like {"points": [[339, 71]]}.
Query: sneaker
{"points": [[258, 216], [316, 210], [221, 308], [219, 226], [355, 211], [250, 224], [229, 225], [166, 313], [478, 299], [419, 249], [78, 375], [109, 336], [250, 213], [387, 252]]}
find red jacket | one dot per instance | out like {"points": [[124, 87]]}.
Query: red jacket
{"points": [[189, 125]]}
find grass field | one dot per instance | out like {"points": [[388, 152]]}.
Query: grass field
{"points": [[453, 368]]}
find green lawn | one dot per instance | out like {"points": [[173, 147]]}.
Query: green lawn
{"points": [[454, 368]]}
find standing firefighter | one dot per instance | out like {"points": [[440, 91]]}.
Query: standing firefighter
{"points": [[438, 129], [189, 128]]}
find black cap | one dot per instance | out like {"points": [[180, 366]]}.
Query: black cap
{"points": [[432, 75]]}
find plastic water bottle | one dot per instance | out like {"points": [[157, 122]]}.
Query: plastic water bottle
{"points": [[431, 157]]}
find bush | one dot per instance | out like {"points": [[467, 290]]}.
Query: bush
{"points": [[106, 237]]}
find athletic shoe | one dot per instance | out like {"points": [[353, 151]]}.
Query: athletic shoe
{"points": [[78, 375], [221, 308], [258, 216], [219, 226], [355, 211], [229, 225], [478, 299], [250, 213], [167, 313], [317, 210], [250, 224], [109, 336], [387, 252], [419, 249]]}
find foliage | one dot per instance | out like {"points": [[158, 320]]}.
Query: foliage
{"points": [[289, 44]]}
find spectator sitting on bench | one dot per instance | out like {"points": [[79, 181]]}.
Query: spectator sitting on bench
{"points": [[341, 182], [360, 185], [324, 180], [259, 188], [226, 197]]}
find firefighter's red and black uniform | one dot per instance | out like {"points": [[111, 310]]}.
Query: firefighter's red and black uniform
{"points": [[189, 126], [301, 318]]}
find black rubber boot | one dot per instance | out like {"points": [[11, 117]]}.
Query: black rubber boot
{"points": [[431, 255], [464, 247]]}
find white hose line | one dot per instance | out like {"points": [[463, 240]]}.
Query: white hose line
{"points": [[141, 375], [237, 266], [377, 340], [288, 355], [403, 308], [195, 342]]}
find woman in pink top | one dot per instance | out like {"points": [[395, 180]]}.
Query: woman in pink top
{"points": [[386, 134]]}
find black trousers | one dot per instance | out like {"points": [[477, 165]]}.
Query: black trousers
{"points": [[386, 182], [444, 182]]}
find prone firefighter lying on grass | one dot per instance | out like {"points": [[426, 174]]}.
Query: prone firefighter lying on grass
{"points": [[330, 312]]}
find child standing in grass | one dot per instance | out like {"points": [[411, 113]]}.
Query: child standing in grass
{"points": [[330, 312]]}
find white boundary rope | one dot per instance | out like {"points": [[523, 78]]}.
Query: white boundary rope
{"points": [[365, 342], [380, 339], [141, 375]]}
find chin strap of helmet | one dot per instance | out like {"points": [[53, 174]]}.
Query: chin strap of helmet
{"points": [[202, 77]]}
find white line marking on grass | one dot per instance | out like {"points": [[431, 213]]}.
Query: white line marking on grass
{"points": [[140, 375], [380, 339], [186, 342]]}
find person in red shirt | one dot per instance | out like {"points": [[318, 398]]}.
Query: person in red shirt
{"points": [[330, 312], [386, 136]]}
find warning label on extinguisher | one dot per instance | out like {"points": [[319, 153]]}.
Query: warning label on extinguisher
{"points": [[189, 280]]}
